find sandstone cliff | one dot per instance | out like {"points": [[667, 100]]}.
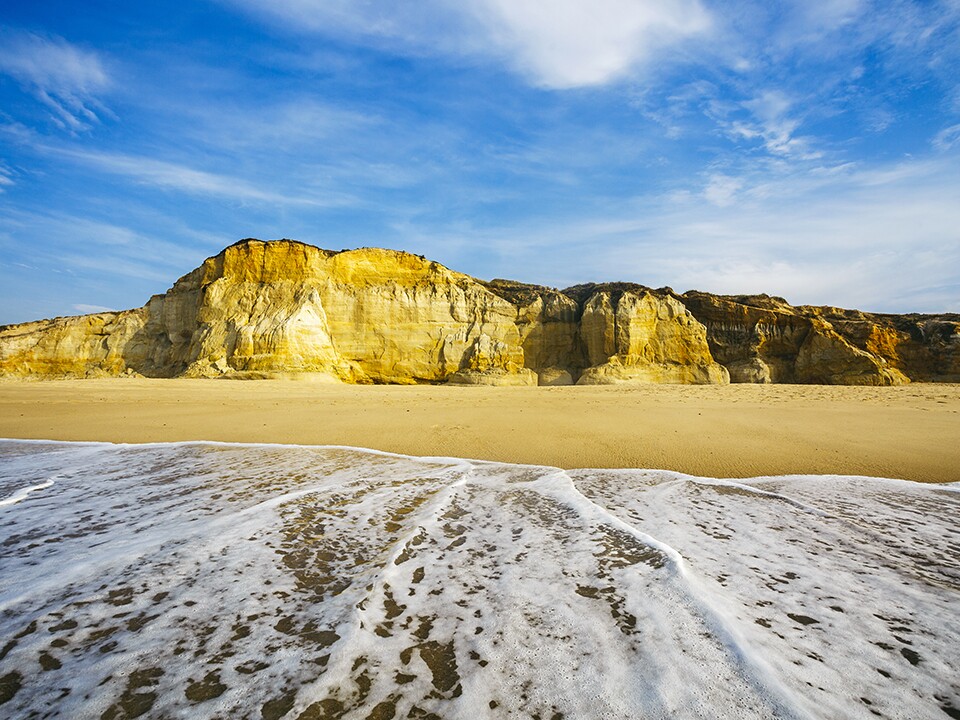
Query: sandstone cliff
{"points": [[265, 308], [632, 333], [380, 316], [764, 339]]}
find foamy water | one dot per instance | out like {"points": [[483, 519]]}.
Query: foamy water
{"points": [[206, 580]]}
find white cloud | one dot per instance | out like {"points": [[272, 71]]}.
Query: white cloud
{"points": [[66, 78], [576, 43], [561, 44]]}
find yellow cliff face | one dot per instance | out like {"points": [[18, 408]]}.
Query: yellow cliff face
{"points": [[550, 336], [366, 315], [88, 345], [382, 316], [646, 338], [826, 357]]}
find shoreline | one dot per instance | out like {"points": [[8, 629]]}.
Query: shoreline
{"points": [[908, 432]]}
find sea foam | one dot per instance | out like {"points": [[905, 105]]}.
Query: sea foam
{"points": [[215, 580]]}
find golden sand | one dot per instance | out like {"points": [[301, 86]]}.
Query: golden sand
{"points": [[910, 432]]}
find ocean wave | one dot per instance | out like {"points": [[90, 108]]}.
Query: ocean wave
{"points": [[228, 580]]}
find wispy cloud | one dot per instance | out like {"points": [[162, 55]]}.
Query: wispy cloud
{"points": [[768, 121], [64, 77], [287, 125], [884, 241], [799, 69], [947, 138], [774, 125], [6, 179], [721, 189], [805, 24], [77, 243], [562, 44], [185, 179]]}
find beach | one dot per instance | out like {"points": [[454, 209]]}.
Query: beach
{"points": [[520, 566], [729, 431]]}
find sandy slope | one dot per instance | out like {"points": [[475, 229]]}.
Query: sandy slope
{"points": [[910, 432]]}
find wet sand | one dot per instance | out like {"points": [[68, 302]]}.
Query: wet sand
{"points": [[910, 432]]}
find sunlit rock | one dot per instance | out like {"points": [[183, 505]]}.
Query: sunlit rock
{"points": [[286, 309]]}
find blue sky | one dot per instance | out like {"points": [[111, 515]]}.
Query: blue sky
{"points": [[810, 150]]}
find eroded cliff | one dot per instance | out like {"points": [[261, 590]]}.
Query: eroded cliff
{"points": [[763, 339], [261, 309]]}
